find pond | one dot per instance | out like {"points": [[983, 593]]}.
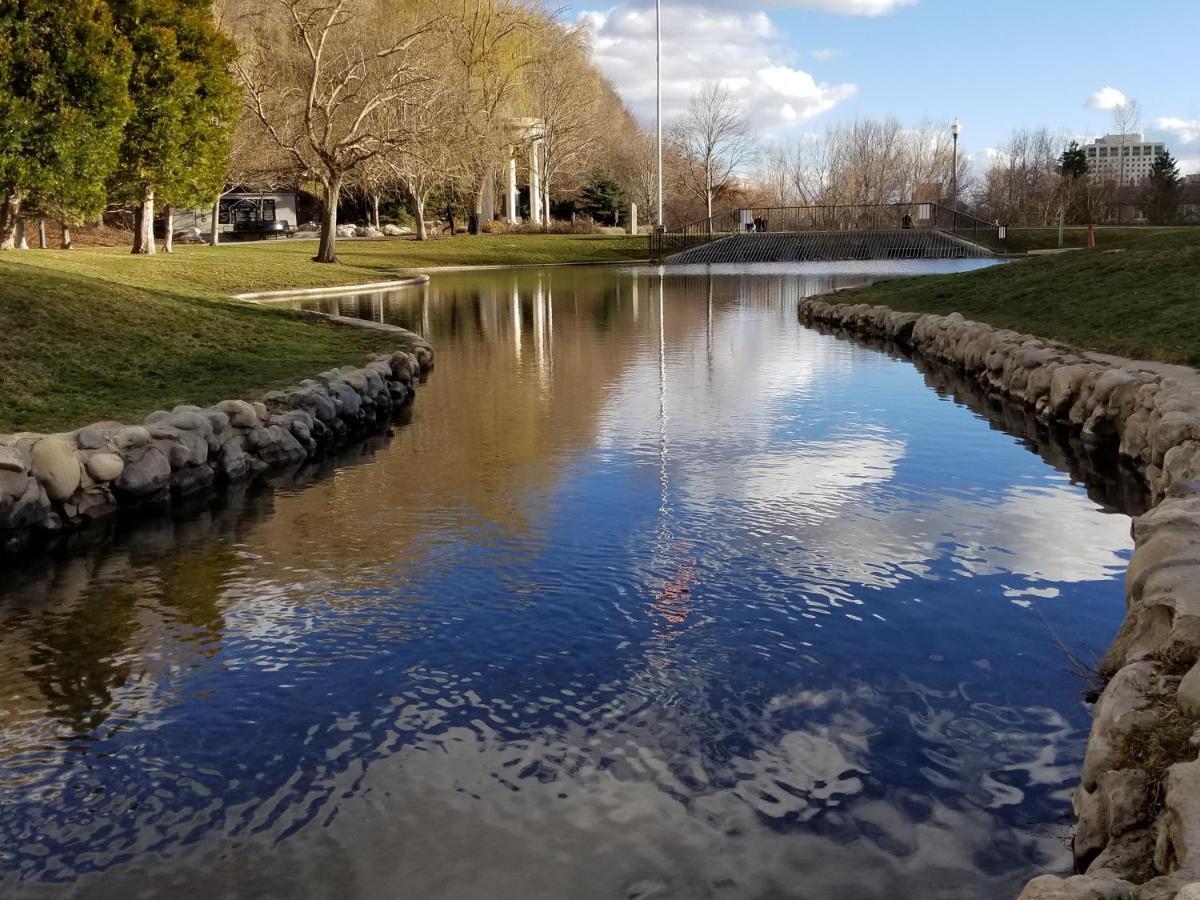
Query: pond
{"points": [[658, 594]]}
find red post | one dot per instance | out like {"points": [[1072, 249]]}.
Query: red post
{"points": [[1091, 236]]}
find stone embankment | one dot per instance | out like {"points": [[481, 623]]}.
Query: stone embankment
{"points": [[55, 483], [1138, 802]]}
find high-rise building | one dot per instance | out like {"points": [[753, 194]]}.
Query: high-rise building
{"points": [[1127, 158]]}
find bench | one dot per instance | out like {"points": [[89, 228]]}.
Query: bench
{"points": [[273, 228]]}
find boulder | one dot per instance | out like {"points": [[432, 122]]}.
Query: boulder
{"points": [[241, 414], [192, 480], [1078, 887], [54, 464], [13, 460], [1121, 707], [131, 437], [23, 502], [105, 467], [231, 461], [91, 504], [149, 475], [1178, 844], [91, 438]]}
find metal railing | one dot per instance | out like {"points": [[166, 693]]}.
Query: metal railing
{"points": [[807, 219]]}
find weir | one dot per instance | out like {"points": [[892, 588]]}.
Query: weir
{"points": [[831, 233]]}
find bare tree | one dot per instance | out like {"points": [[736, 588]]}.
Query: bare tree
{"points": [[324, 78], [714, 140], [489, 50], [567, 102], [1126, 118], [427, 162]]}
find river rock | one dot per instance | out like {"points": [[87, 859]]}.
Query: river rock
{"points": [[241, 414], [23, 502], [104, 467], [132, 437], [54, 464], [232, 462], [93, 503], [1078, 887], [13, 460], [91, 438], [189, 420], [149, 475], [1121, 707], [1178, 844], [191, 480]]}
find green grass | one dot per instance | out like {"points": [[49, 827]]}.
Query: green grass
{"points": [[95, 334], [238, 268], [1022, 240], [1141, 300]]}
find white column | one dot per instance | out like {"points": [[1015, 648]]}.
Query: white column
{"points": [[535, 186], [511, 208]]}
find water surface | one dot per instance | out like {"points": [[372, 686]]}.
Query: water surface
{"points": [[659, 594]]}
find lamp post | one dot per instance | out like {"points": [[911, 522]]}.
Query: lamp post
{"points": [[658, 101], [954, 130]]}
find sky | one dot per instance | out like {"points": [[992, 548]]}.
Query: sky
{"points": [[798, 65]]}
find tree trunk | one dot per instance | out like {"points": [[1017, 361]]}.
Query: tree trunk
{"points": [[9, 212], [419, 209], [22, 240], [375, 210], [546, 203], [41, 234], [143, 235], [215, 233], [168, 228], [66, 236], [327, 249]]}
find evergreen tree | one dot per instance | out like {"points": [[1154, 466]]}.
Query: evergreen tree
{"points": [[1073, 162], [602, 198], [1161, 195], [176, 143], [63, 103]]}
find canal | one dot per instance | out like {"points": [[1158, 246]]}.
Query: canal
{"points": [[657, 594]]}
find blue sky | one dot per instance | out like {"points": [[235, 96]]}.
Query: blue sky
{"points": [[800, 64]]}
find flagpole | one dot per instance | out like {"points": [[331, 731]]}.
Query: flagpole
{"points": [[658, 98]]}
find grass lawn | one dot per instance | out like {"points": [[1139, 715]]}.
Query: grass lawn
{"points": [[94, 334], [1140, 300], [1022, 240]]}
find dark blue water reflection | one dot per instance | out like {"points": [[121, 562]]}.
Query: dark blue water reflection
{"points": [[659, 595]]}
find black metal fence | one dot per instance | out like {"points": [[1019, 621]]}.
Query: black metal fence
{"points": [[807, 219]]}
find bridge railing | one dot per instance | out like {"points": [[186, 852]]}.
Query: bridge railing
{"points": [[844, 217]]}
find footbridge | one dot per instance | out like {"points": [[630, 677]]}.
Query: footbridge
{"points": [[830, 233]]}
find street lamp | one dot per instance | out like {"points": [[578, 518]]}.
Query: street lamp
{"points": [[954, 130]]}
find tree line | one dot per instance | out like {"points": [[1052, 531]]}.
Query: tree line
{"points": [[104, 100], [157, 105]]}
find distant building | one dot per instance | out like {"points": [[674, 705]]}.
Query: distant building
{"points": [[242, 205], [1105, 156]]}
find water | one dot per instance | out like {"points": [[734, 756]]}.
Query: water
{"points": [[659, 594]]}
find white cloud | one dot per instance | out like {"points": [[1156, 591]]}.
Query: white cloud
{"points": [[1186, 131], [741, 49], [847, 7], [825, 54], [1108, 98]]}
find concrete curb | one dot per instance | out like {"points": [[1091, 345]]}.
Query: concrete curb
{"points": [[268, 296]]}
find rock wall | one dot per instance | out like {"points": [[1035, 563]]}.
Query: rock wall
{"points": [[55, 483], [1138, 802]]}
